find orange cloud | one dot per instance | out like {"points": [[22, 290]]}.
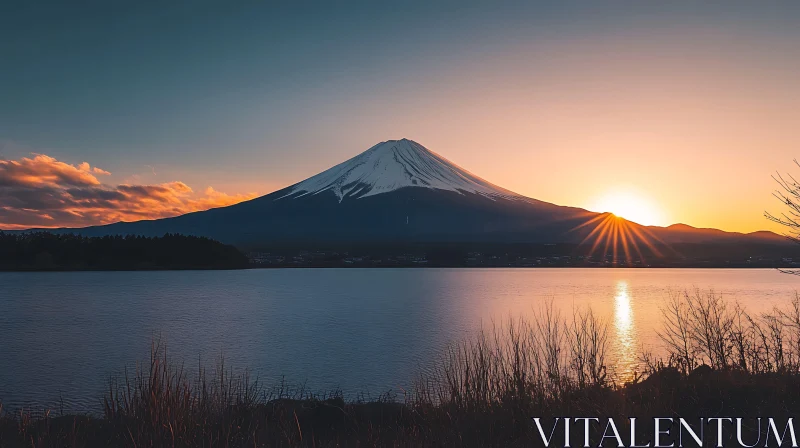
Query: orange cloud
{"points": [[44, 192], [43, 170], [214, 199], [89, 169]]}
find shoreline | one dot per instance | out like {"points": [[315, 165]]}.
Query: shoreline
{"points": [[253, 268], [697, 403]]}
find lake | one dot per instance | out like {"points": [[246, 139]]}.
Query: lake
{"points": [[368, 331]]}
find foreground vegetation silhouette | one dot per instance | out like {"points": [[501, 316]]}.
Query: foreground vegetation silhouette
{"points": [[720, 362], [43, 251]]}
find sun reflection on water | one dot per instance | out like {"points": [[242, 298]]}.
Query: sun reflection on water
{"points": [[625, 340]]}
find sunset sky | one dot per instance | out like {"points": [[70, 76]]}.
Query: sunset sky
{"points": [[131, 110]]}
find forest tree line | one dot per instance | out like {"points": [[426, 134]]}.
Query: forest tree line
{"points": [[35, 251]]}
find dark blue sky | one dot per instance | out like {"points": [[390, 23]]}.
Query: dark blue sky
{"points": [[250, 96]]}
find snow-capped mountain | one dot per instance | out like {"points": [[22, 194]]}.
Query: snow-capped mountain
{"points": [[398, 191], [396, 164]]}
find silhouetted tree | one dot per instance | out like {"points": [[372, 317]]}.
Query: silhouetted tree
{"points": [[48, 251], [789, 195]]}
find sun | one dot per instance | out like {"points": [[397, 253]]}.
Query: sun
{"points": [[629, 204]]}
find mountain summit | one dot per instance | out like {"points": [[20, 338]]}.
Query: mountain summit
{"points": [[398, 191], [395, 164]]}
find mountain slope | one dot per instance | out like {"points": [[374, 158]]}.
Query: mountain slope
{"points": [[399, 191], [682, 233], [395, 164]]}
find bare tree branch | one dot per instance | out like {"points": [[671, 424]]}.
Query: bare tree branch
{"points": [[789, 195]]}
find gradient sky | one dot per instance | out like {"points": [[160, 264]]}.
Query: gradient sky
{"points": [[691, 105]]}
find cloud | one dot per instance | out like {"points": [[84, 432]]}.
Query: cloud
{"points": [[42, 171], [89, 169], [44, 192]]}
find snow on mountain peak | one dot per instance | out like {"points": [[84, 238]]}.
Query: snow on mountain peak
{"points": [[395, 164]]}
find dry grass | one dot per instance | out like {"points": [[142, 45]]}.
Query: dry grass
{"points": [[520, 363], [161, 403], [703, 329]]}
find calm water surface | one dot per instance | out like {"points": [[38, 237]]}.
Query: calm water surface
{"points": [[62, 335]]}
